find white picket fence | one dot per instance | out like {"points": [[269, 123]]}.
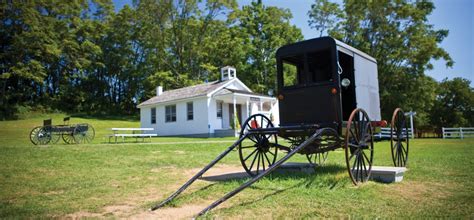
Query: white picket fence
{"points": [[458, 133], [385, 133]]}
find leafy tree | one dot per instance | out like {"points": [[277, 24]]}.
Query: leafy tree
{"points": [[324, 15], [266, 29], [398, 35], [454, 105]]}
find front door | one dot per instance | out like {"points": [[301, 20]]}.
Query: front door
{"points": [[231, 113]]}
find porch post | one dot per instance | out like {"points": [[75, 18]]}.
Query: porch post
{"points": [[235, 109], [235, 115], [261, 106], [247, 108]]}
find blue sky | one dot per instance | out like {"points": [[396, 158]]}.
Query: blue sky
{"points": [[455, 15]]}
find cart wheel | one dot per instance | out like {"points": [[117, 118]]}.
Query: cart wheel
{"points": [[68, 138], [83, 133], [399, 138], [317, 158], [258, 151], [359, 146], [55, 137], [40, 135]]}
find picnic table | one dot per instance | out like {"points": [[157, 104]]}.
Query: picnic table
{"points": [[131, 132]]}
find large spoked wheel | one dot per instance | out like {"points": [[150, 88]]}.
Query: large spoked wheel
{"points": [[83, 133], [399, 138], [257, 151], [40, 136], [359, 146], [68, 138]]}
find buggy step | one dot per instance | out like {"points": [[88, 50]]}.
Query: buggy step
{"points": [[264, 173], [199, 174]]}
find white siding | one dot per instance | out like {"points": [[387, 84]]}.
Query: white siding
{"points": [[145, 119], [214, 122], [367, 86], [181, 126]]}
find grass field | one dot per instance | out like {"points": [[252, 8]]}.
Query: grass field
{"points": [[124, 180]]}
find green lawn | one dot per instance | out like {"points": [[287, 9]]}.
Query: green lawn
{"points": [[123, 180]]}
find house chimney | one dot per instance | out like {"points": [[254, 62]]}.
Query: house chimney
{"points": [[159, 90]]}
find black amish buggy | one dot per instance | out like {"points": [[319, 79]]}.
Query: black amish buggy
{"points": [[328, 99], [71, 134]]}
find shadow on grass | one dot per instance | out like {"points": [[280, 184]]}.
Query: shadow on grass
{"points": [[305, 180]]}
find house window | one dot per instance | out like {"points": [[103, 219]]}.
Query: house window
{"points": [[190, 110], [170, 113], [153, 115], [219, 109]]}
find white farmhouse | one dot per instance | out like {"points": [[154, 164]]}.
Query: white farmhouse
{"points": [[207, 109]]}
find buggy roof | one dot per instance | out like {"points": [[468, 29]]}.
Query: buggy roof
{"points": [[318, 44]]}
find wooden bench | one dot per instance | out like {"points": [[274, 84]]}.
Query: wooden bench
{"points": [[136, 133]]}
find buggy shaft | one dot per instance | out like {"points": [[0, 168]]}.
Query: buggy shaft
{"points": [[266, 172], [199, 174]]}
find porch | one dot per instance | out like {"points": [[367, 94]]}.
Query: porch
{"points": [[235, 106]]}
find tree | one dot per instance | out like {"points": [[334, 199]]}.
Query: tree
{"points": [[454, 105], [265, 29], [324, 15], [397, 34]]}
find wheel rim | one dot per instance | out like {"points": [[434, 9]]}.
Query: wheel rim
{"points": [[83, 133], [259, 153], [399, 141], [43, 135], [34, 135], [359, 146]]}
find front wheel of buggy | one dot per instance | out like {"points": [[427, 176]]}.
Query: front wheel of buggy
{"points": [[40, 136], [258, 151], [359, 146]]}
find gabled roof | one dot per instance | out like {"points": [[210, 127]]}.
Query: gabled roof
{"points": [[226, 91], [205, 89], [184, 93]]}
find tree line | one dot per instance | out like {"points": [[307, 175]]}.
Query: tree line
{"points": [[84, 56]]}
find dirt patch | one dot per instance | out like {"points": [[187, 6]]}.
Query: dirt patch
{"points": [[417, 191], [133, 208], [82, 214], [183, 212], [179, 152]]}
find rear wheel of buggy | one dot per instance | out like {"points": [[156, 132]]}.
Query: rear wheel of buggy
{"points": [[83, 133], [68, 138], [359, 146], [399, 138], [55, 137], [40, 135], [327, 140], [257, 152]]}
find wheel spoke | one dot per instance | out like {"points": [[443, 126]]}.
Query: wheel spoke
{"points": [[364, 167], [253, 161], [250, 154], [269, 164], [258, 162]]}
